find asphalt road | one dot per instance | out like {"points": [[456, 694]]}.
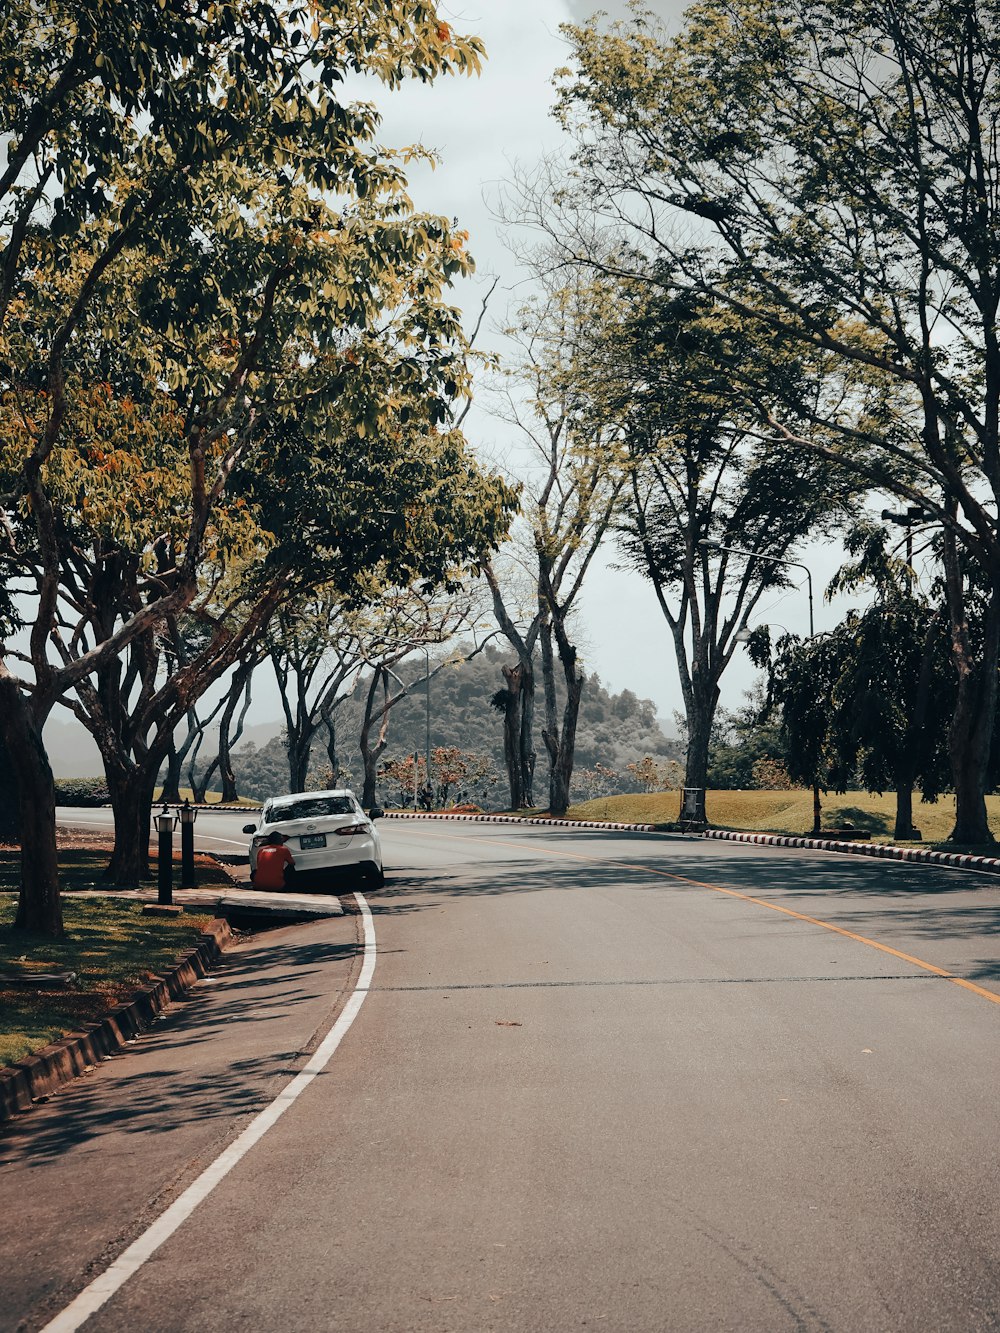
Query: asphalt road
{"points": [[597, 1080]]}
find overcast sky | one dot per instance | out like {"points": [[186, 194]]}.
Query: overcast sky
{"points": [[481, 128]]}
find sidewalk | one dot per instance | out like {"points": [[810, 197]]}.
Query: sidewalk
{"points": [[85, 1172]]}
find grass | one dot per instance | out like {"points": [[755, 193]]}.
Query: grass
{"points": [[785, 812], [81, 869], [108, 943], [211, 797]]}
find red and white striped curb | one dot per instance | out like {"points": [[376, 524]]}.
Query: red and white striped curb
{"points": [[518, 819], [885, 851]]}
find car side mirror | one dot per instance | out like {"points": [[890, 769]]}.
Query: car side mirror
{"points": [[376, 812], [249, 828]]}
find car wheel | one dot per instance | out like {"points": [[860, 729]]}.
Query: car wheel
{"points": [[373, 876]]}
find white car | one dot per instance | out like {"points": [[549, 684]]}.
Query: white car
{"points": [[324, 831]]}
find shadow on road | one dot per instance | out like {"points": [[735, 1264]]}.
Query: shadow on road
{"points": [[164, 1074]]}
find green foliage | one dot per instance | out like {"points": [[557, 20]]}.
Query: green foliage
{"points": [[219, 314], [868, 702], [614, 729], [747, 752], [82, 791]]}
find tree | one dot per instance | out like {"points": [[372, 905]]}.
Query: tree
{"points": [[166, 193], [702, 474], [897, 688], [578, 473], [830, 171], [407, 624], [656, 777], [597, 781], [134, 714], [409, 774], [868, 702], [515, 700], [315, 647], [747, 752]]}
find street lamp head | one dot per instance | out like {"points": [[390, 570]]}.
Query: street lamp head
{"points": [[707, 544], [165, 821], [742, 635], [188, 812]]}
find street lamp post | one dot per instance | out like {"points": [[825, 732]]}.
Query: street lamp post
{"points": [[165, 825], [709, 546], [188, 815]]}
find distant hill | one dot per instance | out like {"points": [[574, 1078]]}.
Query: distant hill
{"points": [[614, 729]]}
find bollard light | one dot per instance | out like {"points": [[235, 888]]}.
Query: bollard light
{"points": [[165, 825], [188, 815]]}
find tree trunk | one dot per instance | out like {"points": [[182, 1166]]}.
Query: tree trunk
{"points": [[39, 906], [699, 721], [370, 754], [904, 830], [512, 734], [971, 732], [906, 772], [230, 793], [560, 742], [561, 772], [227, 740], [331, 746], [10, 828], [131, 792], [299, 753], [700, 716], [370, 757], [172, 780], [526, 749], [199, 785]]}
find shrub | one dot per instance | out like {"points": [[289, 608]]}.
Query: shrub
{"points": [[82, 791], [771, 775]]}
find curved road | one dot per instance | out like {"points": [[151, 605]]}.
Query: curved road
{"points": [[599, 1080]]}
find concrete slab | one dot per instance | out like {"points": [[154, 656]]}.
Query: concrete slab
{"points": [[282, 904]]}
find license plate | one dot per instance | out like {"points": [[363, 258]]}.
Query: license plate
{"points": [[309, 840]]}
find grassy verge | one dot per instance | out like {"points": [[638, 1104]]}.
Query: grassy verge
{"points": [[785, 812], [81, 869], [109, 944], [211, 797]]}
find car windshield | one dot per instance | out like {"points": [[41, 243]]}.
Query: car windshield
{"points": [[311, 807]]}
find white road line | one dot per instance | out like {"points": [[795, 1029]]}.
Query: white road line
{"points": [[229, 842], [104, 823], [129, 1261]]}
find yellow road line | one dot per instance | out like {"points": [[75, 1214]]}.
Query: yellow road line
{"points": [[990, 995]]}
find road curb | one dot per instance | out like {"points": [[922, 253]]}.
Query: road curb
{"points": [[517, 819], [38, 1075], [885, 851]]}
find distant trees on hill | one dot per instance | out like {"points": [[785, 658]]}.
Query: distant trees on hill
{"points": [[614, 731]]}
